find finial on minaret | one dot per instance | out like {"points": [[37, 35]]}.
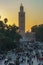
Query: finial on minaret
{"points": [[21, 7], [21, 4]]}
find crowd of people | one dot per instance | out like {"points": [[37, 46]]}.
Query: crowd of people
{"points": [[24, 57]]}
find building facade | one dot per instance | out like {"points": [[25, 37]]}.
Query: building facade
{"points": [[30, 36]]}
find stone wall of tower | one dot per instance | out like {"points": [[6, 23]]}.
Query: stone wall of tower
{"points": [[22, 21]]}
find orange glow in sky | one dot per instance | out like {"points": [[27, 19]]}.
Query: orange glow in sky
{"points": [[33, 12]]}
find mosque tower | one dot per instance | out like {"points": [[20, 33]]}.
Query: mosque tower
{"points": [[21, 20]]}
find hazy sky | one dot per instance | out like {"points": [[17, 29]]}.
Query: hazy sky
{"points": [[32, 8]]}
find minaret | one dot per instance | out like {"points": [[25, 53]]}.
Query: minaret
{"points": [[21, 20]]}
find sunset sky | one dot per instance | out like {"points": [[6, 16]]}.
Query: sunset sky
{"points": [[33, 9]]}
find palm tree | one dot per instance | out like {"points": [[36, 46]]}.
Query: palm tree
{"points": [[5, 20], [0, 17]]}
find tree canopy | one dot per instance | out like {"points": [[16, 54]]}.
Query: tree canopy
{"points": [[39, 32], [9, 37]]}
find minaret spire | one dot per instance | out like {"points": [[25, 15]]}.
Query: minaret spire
{"points": [[21, 8], [21, 4]]}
